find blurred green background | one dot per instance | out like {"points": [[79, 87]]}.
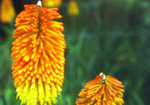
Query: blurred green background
{"points": [[110, 36]]}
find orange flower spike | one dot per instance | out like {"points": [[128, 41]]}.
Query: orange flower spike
{"points": [[7, 12], [38, 53], [104, 90]]}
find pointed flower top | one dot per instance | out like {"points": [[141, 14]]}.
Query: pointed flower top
{"points": [[103, 90]]}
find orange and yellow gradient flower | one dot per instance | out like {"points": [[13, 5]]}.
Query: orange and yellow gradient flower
{"points": [[7, 12], [38, 53], [104, 90], [73, 9], [52, 3]]}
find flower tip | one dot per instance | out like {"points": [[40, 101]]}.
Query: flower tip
{"points": [[39, 3]]}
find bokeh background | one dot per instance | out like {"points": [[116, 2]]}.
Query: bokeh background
{"points": [[110, 36]]}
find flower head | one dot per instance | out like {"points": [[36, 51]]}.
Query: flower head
{"points": [[7, 11], [104, 90], [73, 9], [38, 53], [52, 3]]}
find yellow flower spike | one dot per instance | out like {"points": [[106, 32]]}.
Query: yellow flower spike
{"points": [[38, 53], [73, 9], [7, 13], [52, 3], [103, 90]]}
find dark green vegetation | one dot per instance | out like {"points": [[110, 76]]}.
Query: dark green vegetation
{"points": [[111, 37]]}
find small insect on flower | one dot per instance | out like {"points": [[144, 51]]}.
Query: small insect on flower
{"points": [[38, 53], [104, 90]]}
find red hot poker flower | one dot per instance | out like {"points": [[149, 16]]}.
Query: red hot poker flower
{"points": [[38, 53], [104, 90]]}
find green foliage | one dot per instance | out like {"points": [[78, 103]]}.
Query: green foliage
{"points": [[106, 37]]}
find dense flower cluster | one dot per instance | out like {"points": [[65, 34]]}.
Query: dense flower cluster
{"points": [[104, 90], [38, 53]]}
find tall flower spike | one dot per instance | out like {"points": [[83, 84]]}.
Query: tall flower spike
{"points": [[7, 12], [104, 90], [38, 53]]}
